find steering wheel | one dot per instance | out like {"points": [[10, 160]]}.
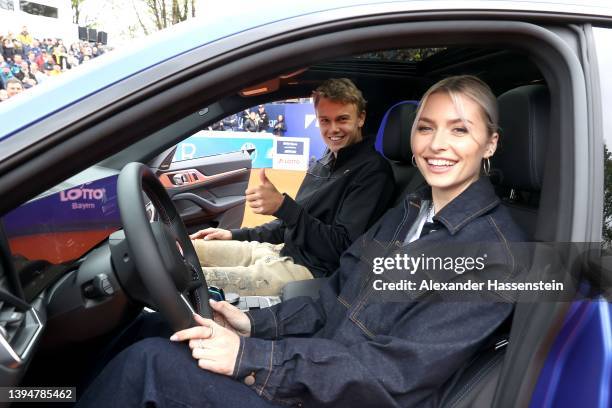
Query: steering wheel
{"points": [[162, 251]]}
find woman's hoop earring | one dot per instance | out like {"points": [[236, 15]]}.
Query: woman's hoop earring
{"points": [[414, 161], [486, 166]]}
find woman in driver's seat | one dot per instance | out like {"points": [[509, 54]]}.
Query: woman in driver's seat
{"points": [[363, 342]]}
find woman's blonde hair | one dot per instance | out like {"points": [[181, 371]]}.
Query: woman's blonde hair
{"points": [[473, 88]]}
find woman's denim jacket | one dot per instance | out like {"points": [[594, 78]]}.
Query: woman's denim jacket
{"points": [[352, 347]]}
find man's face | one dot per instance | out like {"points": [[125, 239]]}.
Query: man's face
{"points": [[13, 89], [340, 124]]}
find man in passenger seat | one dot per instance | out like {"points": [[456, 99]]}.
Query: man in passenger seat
{"points": [[342, 195], [356, 345]]}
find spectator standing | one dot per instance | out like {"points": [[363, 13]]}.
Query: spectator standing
{"points": [[61, 56], [16, 67], [25, 39], [264, 121], [8, 49], [280, 127], [75, 50], [242, 118], [250, 124]]}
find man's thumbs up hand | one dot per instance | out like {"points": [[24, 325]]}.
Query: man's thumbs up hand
{"points": [[265, 198], [263, 178]]}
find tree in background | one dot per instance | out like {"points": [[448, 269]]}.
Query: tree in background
{"points": [[76, 10], [165, 13]]}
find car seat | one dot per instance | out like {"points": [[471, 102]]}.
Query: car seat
{"points": [[393, 142], [517, 172]]}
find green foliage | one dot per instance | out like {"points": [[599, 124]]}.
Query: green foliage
{"points": [[402, 55], [76, 10]]}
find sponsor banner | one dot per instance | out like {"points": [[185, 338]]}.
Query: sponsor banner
{"points": [[87, 206], [300, 120], [291, 153], [210, 142], [64, 225], [265, 150]]}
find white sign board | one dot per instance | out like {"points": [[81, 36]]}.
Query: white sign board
{"points": [[291, 153]]}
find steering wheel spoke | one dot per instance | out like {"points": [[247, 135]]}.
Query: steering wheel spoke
{"points": [[162, 251]]}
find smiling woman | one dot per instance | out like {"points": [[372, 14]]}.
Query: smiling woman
{"points": [[454, 134]]}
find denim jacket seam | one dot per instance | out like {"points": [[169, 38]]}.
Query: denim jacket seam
{"points": [[263, 386], [275, 323], [239, 358], [505, 241], [366, 292], [343, 302], [362, 326], [469, 218], [400, 225], [354, 315], [252, 321], [263, 393]]}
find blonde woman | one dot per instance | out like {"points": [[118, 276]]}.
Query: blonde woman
{"points": [[351, 347]]}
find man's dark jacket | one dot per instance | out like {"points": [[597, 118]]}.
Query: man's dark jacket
{"points": [[339, 199], [352, 348]]}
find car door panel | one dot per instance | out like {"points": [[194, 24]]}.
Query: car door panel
{"points": [[209, 191]]}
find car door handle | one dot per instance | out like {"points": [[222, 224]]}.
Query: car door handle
{"points": [[215, 207]]}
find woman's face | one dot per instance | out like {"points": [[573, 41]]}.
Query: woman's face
{"points": [[449, 151]]}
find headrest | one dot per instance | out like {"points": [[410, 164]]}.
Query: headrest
{"points": [[393, 137], [524, 120]]}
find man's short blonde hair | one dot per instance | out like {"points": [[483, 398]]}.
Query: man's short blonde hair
{"points": [[340, 90]]}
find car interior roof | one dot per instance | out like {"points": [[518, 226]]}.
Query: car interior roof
{"points": [[385, 78]]}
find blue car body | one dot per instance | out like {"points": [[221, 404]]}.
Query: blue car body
{"points": [[578, 369]]}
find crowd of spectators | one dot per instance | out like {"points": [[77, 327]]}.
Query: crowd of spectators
{"points": [[252, 121], [26, 61]]}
